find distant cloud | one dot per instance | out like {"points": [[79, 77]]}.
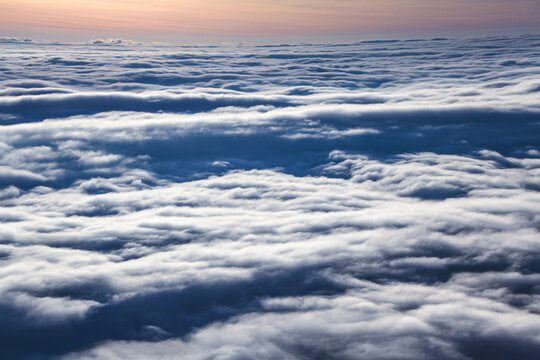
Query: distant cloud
{"points": [[117, 41], [8, 40]]}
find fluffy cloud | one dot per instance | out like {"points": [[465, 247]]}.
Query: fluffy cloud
{"points": [[374, 200]]}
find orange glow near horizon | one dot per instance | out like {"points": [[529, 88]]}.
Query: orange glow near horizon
{"points": [[245, 17]]}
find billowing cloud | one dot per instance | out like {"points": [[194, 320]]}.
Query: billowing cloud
{"points": [[378, 200]]}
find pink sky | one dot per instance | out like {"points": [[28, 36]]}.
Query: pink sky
{"points": [[157, 18]]}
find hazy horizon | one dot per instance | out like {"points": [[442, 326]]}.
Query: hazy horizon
{"points": [[198, 40], [263, 21]]}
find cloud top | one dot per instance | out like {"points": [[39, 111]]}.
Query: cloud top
{"points": [[374, 200]]}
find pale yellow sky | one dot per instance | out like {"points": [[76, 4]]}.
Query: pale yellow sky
{"points": [[252, 17]]}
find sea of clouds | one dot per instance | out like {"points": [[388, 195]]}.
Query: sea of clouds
{"points": [[375, 200]]}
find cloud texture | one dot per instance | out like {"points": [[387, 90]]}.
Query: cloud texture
{"points": [[376, 200]]}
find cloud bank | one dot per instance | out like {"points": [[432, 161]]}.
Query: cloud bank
{"points": [[376, 200]]}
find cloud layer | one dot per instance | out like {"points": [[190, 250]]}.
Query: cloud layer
{"points": [[377, 200]]}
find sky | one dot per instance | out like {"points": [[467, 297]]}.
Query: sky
{"points": [[167, 20]]}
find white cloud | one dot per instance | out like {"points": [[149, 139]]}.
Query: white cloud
{"points": [[373, 200]]}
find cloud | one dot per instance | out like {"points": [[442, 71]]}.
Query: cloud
{"points": [[117, 41], [10, 40], [221, 202]]}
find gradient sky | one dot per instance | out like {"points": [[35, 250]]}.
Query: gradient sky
{"points": [[157, 19]]}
